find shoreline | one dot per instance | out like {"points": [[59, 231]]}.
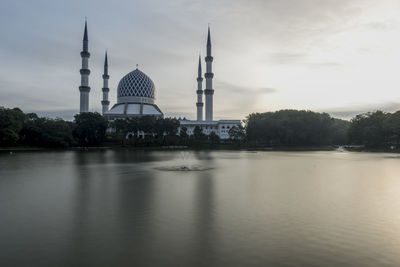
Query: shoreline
{"points": [[216, 148]]}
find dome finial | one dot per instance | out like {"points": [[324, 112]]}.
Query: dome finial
{"points": [[137, 66]]}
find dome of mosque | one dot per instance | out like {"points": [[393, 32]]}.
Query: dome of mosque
{"points": [[136, 94], [136, 87]]}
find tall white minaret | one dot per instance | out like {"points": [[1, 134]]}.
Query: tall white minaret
{"points": [[84, 88], [105, 103], [199, 92], [209, 91]]}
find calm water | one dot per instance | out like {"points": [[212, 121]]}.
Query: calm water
{"points": [[133, 208]]}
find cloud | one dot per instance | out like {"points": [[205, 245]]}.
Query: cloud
{"points": [[286, 58], [379, 26], [267, 90], [234, 101], [13, 94], [303, 59], [325, 65], [228, 88], [259, 46]]}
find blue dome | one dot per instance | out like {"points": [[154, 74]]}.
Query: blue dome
{"points": [[136, 86]]}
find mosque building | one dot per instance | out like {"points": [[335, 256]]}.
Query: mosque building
{"points": [[136, 94], [135, 97]]}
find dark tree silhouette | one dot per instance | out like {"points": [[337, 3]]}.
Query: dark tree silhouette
{"points": [[294, 128], [90, 129]]}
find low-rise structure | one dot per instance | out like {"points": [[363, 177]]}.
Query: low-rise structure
{"points": [[220, 127]]}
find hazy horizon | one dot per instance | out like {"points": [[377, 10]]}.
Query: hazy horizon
{"points": [[339, 57]]}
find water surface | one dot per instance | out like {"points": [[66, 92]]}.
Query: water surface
{"points": [[135, 208]]}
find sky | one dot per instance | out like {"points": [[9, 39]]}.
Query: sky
{"points": [[335, 56]]}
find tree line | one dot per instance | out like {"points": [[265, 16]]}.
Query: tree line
{"points": [[375, 130], [28, 129], [284, 128], [291, 128], [93, 130]]}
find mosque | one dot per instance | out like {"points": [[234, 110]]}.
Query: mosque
{"points": [[136, 95]]}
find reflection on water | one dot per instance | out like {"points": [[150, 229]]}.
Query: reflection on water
{"points": [[132, 208], [183, 168]]}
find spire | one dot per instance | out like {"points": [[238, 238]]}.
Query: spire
{"points": [[209, 42], [209, 91], [106, 64], [85, 72], [199, 92], [199, 70], [85, 38], [85, 35], [105, 103]]}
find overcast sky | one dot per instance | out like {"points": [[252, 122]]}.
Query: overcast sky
{"points": [[336, 56]]}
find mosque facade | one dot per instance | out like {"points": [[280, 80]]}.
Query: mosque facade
{"points": [[136, 95]]}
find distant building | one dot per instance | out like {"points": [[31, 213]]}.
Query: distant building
{"points": [[136, 95], [220, 127]]}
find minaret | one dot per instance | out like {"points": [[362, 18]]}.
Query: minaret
{"points": [[199, 92], [84, 88], [105, 103], [209, 91]]}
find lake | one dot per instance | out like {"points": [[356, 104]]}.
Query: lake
{"points": [[206, 208]]}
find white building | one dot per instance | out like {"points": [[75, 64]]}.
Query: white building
{"points": [[136, 94], [220, 127]]}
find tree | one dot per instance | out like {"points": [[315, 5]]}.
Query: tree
{"points": [[339, 131], [90, 129], [237, 132], [183, 132], [198, 136], [292, 128], [198, 133], [171, 126], [370, 129], [392, 126], [46, 132], [11, 122], [120, 126], [183, 135], [213, 137]]}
